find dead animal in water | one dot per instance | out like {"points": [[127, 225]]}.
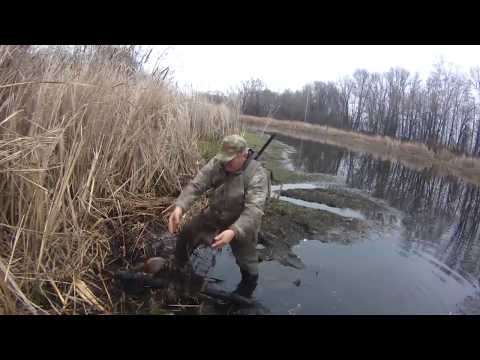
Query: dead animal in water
{"points": [[137, 283], [151, 266], [154, 265]]}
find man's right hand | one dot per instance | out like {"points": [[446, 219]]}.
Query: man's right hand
{"points": [[174, 220]]}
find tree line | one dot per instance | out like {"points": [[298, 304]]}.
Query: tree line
{"points": [[441, 111]]}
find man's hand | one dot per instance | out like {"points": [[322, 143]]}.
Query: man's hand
{"points": [[174, 220], [223, 239]]}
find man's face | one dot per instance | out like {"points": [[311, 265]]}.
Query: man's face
{"points": [[236, 163]]}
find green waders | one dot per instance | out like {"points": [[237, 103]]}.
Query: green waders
{"points": [[202, 229]]}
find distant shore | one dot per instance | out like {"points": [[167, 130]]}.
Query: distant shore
{"points": [[413, 155]]}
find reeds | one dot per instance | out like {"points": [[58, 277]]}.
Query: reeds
{"points": [[85, 137]]}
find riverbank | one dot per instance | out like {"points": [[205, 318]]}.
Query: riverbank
{"points": [[414, 155]]}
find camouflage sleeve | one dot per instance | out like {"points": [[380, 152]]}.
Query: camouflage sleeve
{"points": [[196, 187], [255, 198]]}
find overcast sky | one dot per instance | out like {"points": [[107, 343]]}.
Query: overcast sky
{"points": [[221, 67]]}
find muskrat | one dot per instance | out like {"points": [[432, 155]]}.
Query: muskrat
{"points": [[152, 265]]}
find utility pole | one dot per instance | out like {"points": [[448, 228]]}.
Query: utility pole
{"points": [[306, 108]]}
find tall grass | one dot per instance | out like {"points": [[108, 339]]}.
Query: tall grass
{"points": [[85, 137], [414, 155]]}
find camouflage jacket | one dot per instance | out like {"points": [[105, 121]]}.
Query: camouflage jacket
{"points": [[236, 199]]}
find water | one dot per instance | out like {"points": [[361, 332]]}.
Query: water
{"points": [[431, 265]]}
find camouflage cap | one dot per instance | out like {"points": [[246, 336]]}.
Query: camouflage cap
{"points": [[232, 145]]}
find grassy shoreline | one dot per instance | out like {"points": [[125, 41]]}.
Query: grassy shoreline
{"points": [[413, 155]]}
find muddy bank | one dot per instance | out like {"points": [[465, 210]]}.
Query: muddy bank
{"points": [[333, 198], [349, 217], [285, 225], [372, 209]]}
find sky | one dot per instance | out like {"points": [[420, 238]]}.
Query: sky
{"points": [[280, 67]]}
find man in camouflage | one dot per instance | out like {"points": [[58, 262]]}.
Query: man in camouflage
{"points": [[237, 189]]}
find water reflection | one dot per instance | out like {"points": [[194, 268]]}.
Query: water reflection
{"points": [[314, 157], [442, 212]]}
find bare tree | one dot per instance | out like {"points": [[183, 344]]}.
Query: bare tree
{"points": [[440, 112]]}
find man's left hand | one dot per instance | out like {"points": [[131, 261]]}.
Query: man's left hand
{"points": [[223, 239]]}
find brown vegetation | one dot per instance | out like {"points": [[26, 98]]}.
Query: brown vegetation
{"points": [[89, 143]]}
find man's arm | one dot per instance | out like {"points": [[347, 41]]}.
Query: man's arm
{"points": [[196, 187], [256, 196]]}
